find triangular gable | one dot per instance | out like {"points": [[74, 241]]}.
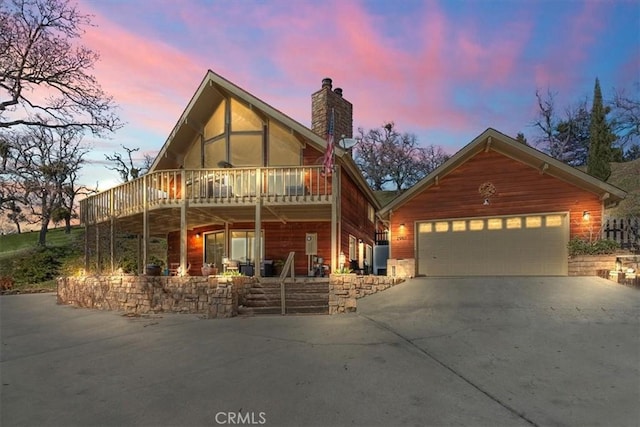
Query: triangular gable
{"points": [[199, 105], [496, 141]]}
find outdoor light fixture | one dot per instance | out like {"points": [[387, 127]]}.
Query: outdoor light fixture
{"points": [[586, 215], [197, 235], [341, 259], [402, 225]]}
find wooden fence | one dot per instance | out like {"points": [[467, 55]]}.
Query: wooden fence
{"points": [[625, 231]]}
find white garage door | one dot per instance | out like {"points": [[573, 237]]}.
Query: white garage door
{"points": [[521, 245]]}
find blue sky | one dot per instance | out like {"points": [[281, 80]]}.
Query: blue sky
{"points": [[443, 70]]}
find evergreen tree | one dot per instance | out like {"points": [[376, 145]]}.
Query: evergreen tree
{"points": [[600, 138]]}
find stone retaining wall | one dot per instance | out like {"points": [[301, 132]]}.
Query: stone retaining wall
{"points": [[588, 265], [346, 289], [211, 296]]}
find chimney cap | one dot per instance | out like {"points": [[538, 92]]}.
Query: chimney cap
{"points": [[326, 82], [338, 91]]}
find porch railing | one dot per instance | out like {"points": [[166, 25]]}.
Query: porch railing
{"points": [[305, 184]]}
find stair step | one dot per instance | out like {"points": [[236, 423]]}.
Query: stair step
{"points": [[258, 311], [302, 296]]}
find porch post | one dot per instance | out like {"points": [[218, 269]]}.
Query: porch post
{"points": [[257, 241], [145, 224], [98, 255], [334, 220], [112, 232], [86, 247], [183, 224]]}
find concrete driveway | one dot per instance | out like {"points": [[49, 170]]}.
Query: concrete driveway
{"points": [[429, 352]]}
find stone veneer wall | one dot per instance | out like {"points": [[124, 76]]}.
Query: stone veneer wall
{"points": [[401, 267], [214, 297], [346, 289], [588, 265]]}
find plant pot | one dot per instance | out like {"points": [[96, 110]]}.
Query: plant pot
{"points": [[209, 271], [153, 270]]}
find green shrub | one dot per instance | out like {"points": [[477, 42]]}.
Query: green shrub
{"points": [[579, 246], [38, 265]]}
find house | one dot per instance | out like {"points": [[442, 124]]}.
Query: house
{"points": [[240, 185], [497, 207]]}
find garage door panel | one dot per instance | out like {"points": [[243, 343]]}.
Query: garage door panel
{"points": [[518, 245]]}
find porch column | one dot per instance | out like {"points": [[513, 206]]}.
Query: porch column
{"points": [[86, 247], [145, 225], [334, 220], [112, 232], [257, 242], [183, 224], [98, 255]]}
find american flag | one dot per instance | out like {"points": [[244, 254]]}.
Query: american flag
{"points": [[328, 154]]}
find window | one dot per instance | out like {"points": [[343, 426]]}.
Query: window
{"points": [[214, 248], [215, 125], [371, 213], [554, 220], [194, 154], [425, 227], [242, 246], [533, 221], [494, 224], [284, 148], [353, 248], [514, 223], [442, 226], [246, 149], [243, 119], [459, 225], [214, 153], [476, 224]]}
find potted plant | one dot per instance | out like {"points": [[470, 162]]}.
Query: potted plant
{"points": [[154, 268], [278, 264], [209, 269]]}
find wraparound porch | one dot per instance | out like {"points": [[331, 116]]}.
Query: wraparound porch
{"points": [[215, 199]]}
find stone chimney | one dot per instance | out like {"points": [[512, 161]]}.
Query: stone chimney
{"points": [[322, 102]]}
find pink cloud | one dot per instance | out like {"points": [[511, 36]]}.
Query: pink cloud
{"points": [[151, 81], [560, 66]]}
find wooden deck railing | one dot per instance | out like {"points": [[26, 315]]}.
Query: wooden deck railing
{"points": [[209, 187]]}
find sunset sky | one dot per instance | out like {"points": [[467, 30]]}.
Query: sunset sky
{"points": [[443, 70]]}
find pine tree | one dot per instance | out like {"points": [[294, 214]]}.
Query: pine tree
{"points": [[600, 138]]}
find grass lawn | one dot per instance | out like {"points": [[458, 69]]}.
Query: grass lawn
{"points": [[11, 244]]}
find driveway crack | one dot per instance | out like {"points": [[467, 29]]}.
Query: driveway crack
{"points": [[458, 374]]}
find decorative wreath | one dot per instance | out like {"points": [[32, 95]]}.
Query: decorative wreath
{"points": [[487, 190]]}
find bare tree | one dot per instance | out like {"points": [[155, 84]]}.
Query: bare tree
{"points": [[388, 158], [15, 215], [404, 155], [44, 79], [41, 165], [126, 167], [564, 136], [370, 156], [626, 122]]}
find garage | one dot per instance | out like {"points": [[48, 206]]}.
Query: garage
{"points": [[496, 208], [515, 245]]}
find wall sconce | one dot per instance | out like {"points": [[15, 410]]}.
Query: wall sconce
{"points": [[402, 225], [197, 235], [360, 241], [586, 215]]}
